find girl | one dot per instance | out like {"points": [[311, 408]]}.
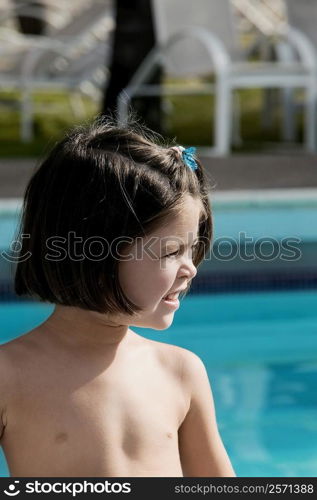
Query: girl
{"points": [[114, 226]]}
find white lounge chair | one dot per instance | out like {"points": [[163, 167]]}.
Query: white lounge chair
{"points": [[74, 60], [197, 38], [302, 19]]}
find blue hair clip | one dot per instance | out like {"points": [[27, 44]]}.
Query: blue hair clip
{"points": [[188, 157]]}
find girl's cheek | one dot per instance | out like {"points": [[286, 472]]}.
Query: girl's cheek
{"points": [[168, 265], [165, 264]]}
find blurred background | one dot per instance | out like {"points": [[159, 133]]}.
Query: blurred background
{"points": [[238, 80]]}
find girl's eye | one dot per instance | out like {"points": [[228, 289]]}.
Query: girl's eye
{"points": [[171, 254], [194, 248]]}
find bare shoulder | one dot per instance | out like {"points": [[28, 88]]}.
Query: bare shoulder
{"points": [[14, 358], [193, 370], [7, 381], [190, 370], [15, 349], [6, 364], [167, 354], [10, 354], [14, 355], [184, 363], [185, 359]]}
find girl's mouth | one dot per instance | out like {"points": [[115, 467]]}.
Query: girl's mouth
{"points": [[172, 300]]}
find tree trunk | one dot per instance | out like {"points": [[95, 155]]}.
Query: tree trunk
{"points": [[133, 38]]}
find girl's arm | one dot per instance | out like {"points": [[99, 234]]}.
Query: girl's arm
{"points": [[202, 452], [5, 388]]}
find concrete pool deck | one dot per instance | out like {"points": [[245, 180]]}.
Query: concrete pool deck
{"points": [[237, 172]]}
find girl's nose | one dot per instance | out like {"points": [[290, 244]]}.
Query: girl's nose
{"points": [[193, 270], [188, 269]]}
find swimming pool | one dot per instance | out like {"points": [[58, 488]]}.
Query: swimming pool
{"points": [[259, 348], [260, 354]]}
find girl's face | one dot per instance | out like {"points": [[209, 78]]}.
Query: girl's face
{"points": [[158, 265]]}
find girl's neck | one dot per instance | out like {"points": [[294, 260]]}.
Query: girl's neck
{"points": [[79, 328]]}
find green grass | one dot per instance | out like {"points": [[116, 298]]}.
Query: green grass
{"points": [[191, 121], [188, 119], [53, 117]]}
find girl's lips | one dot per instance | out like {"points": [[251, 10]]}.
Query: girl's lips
{"points": [[173, 304]]}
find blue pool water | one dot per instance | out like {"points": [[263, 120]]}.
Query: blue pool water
{"points": [[278, 222], [260, 351]]}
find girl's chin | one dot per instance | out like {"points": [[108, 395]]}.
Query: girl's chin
{"points": [[161, 325], [155, 321]]}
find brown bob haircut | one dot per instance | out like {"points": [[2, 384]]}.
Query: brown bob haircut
{"points": [[101, 179]]}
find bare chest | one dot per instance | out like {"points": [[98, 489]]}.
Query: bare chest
{"points": [[98, 426]]}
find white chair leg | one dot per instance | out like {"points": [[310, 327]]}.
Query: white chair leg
{"points": [[289, 109], [236, 129], [123, 103], [310, 119], [223, 117], [26, 118], [268, 106]]}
